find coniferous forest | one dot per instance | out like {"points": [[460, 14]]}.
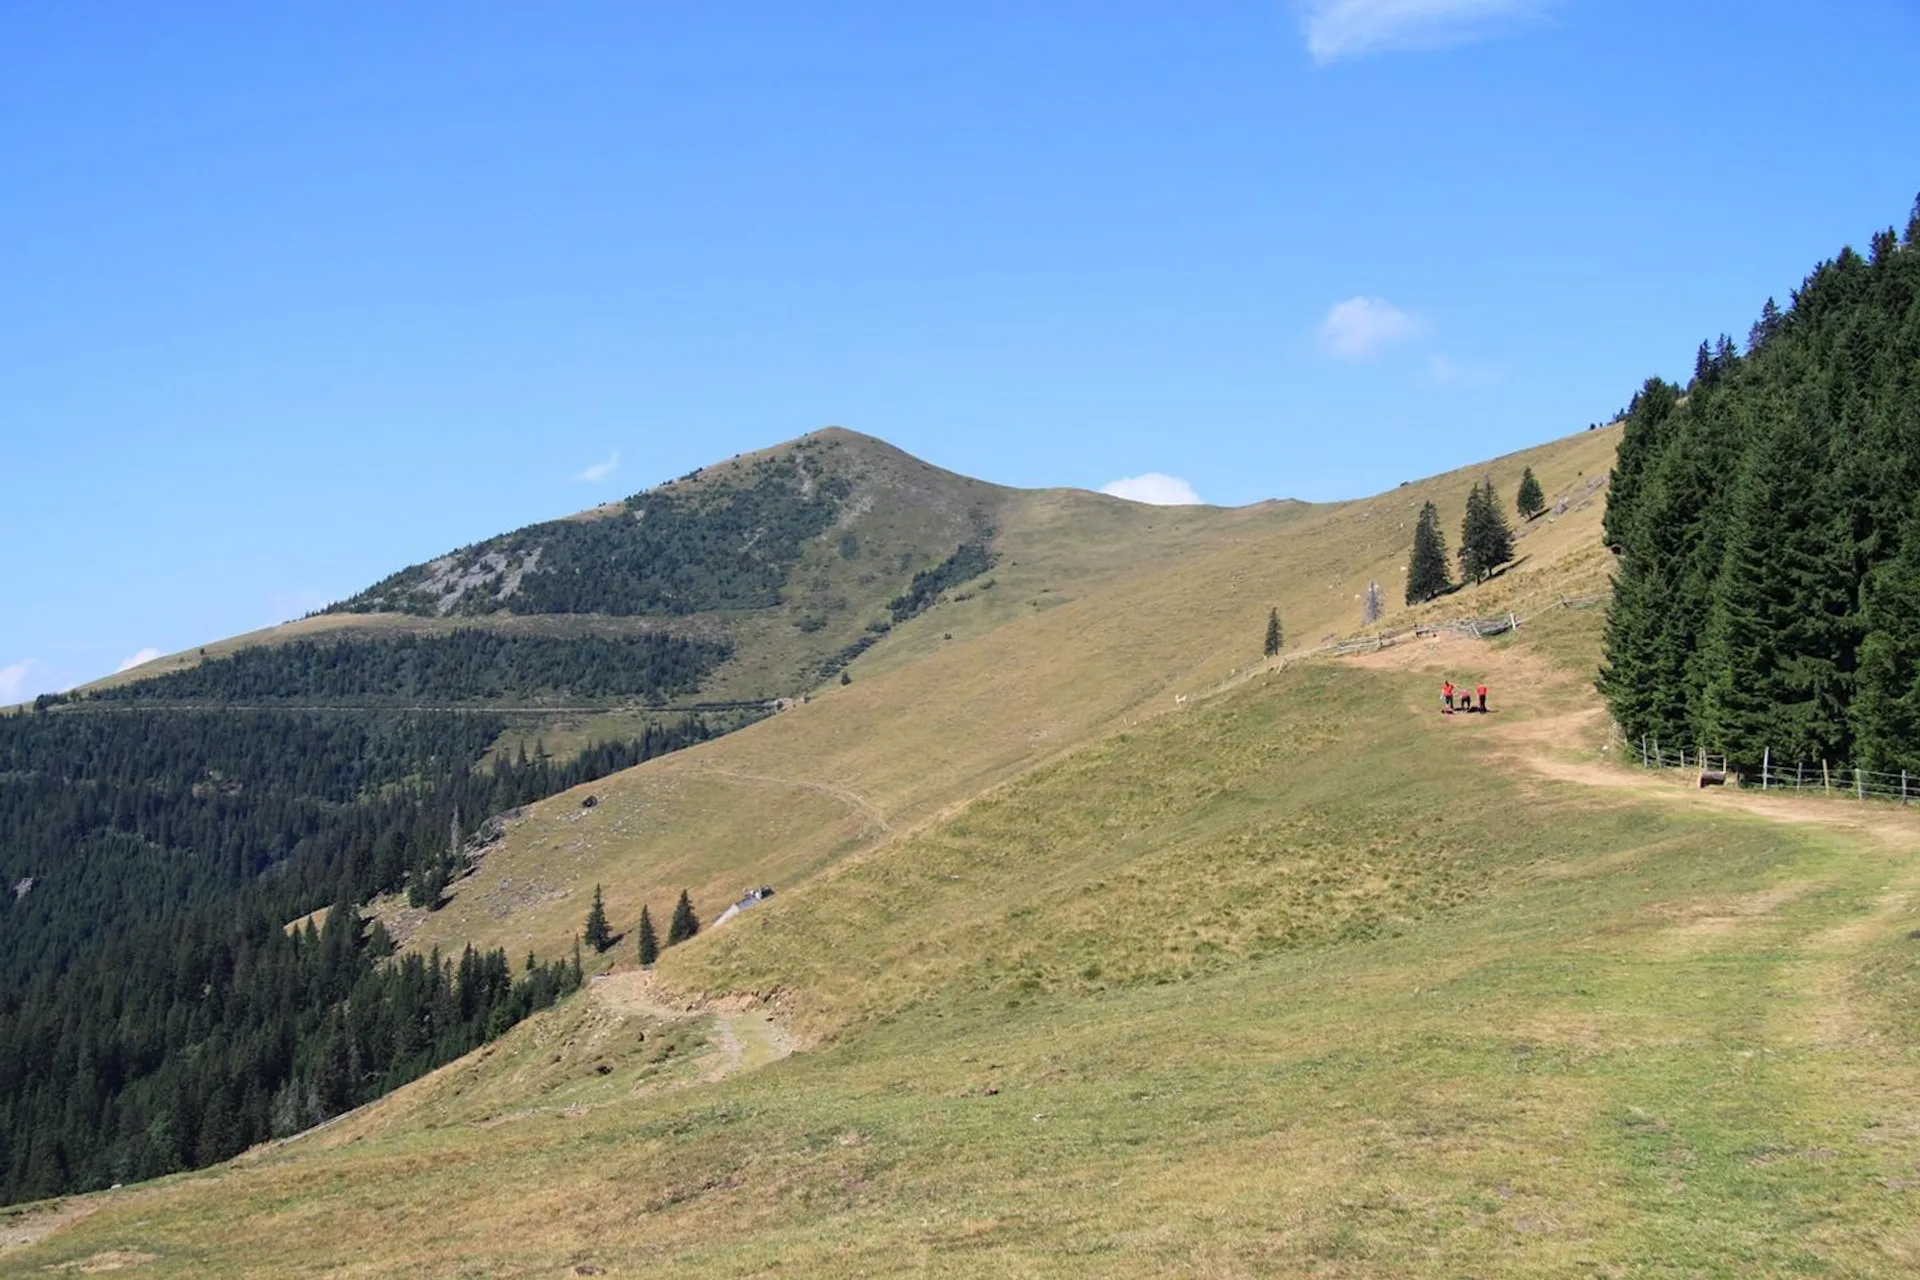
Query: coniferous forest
{"points": [[1766, 519], [466, 665], [155, 1013]]}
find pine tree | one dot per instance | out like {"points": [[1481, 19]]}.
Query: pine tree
{"points": [[1273, 632], [1764, 328], [1530, 501], [597, 934], [1649, 426], [1486, 542], [684, 923], [649, 943], [1886, 705], [1370, 606], [1427, 574]]}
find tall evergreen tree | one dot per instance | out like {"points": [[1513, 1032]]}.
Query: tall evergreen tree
{"points": [[1427, 574], [1370, 605], [1273, 632], [1486, 542], [649, 942], [597, 934], [1886, 704], [1645, 436], [684, 923], [1530, 501]]}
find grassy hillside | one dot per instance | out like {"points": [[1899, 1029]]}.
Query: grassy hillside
{"points": [[1306, 980], [1294, 976], [1082, 635]]}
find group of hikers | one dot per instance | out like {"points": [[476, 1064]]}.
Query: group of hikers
{"points": [[1448, 695]]}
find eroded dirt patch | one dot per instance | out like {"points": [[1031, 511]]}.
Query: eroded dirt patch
{"points": [[30, 1224]]}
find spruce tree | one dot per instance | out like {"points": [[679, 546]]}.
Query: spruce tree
{"points": [[1486, 542], [1427, 574], [684, 923], [597, 934], [1370, 606], [1886, 704], [1273, 632], [1530, 501], [649, 942], [1648, 429]]}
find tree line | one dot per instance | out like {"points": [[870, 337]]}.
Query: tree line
{"points": [[469, 664], [1766, 519]]}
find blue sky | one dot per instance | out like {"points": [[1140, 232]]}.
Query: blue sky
{"points": [[292, 295]]}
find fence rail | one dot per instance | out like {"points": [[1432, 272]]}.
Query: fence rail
{"points": [[1803, 777], [1479, 628]]}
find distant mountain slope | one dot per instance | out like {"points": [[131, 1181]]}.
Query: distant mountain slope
{"points": [[794, 561], [160, 829], [684, 548], [1102, 613]]}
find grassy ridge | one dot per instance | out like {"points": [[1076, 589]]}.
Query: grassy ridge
{"points": [[1088, 628]]}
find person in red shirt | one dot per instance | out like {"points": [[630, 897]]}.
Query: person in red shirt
{"points": [[1481, 692], [1446, 695]]}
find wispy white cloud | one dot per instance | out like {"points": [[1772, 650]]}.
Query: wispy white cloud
{"points": [[1154, 489], [13, 680], [1444, 371], [600, 470], [139, 659], [1361, 328], [1337, 29]]}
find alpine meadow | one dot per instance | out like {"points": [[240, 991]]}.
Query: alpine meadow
{"points": [[969, 642]]}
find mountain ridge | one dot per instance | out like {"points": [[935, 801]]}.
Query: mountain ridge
{"points": [[862, 518]]}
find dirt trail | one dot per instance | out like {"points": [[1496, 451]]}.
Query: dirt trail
{"points": [[852, 799], [1564, 745], [1556, 729], [744, 1036]]}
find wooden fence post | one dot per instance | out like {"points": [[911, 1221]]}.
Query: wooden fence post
{"points": [[1903, 788], [1859, 784], [1766, 763], [1826, 778], [1643, 751]]}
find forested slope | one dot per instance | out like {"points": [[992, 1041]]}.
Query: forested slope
{"points": [[1767, 522], [154, 1013]]}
